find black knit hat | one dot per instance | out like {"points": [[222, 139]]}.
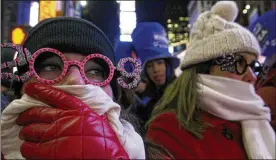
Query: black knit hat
{"points": [[69, 34]]}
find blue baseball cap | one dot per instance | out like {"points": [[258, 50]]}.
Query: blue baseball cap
{"points": [[150, 42], [264, 29]]}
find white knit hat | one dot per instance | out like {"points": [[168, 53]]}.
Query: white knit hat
{"points": [[215, 34]]}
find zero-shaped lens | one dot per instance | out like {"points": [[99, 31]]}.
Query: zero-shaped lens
{"points": [[48, 65], [98, 70], [241, 65], [256, 67]]}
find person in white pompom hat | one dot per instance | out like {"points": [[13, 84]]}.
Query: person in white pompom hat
{"points": [[211, 110]]}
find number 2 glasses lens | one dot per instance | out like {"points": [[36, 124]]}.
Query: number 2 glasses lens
{"points": [[48, 66]]}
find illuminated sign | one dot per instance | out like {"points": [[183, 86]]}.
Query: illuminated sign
{"points": [[34, 11], [47, 9], [127, 20], [59, 8]]}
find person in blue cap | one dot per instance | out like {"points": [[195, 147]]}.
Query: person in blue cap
{"points": [[7, 94], [5, 86], [130, 97], [150, 44], [264, 29]]}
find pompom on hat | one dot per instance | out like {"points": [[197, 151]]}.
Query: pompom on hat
{"points": [[227, 10], [215, 34]]}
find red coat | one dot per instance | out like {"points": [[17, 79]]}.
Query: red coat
{"points": [[221, 141]]}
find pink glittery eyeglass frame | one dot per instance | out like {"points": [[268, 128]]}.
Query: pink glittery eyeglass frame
{"points": [[67, 64], [20, 60]]}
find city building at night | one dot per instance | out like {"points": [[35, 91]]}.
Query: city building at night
{"points": [[248, 10], [177, 25], [251, 10], [172, 15]]}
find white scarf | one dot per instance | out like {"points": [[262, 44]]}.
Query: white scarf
{"points": [[91, 95], [235, 100]]}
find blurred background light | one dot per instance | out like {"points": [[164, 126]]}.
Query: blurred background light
{"points": [[127, 6], [14, 69], [128, 20], [34, 13], [83, 3], [125, 38]]}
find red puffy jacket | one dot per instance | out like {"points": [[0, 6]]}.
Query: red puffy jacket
{"points": [[71, 130]]}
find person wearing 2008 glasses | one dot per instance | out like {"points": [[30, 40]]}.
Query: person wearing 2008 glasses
{"points": [[66, 108], [211, 110]]}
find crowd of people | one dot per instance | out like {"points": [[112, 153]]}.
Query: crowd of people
{"points": [[74, 104]]}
